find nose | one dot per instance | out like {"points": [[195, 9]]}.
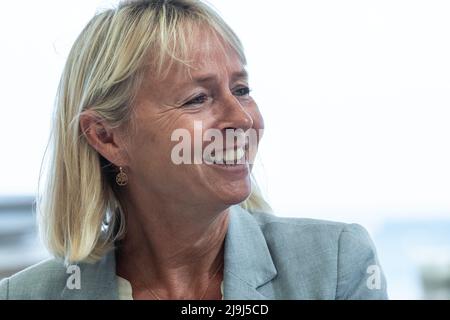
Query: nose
{"points": [[234, 116]]}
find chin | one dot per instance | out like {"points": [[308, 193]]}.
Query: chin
{"points": [[232, 196]]}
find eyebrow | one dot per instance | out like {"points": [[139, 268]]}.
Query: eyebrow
{"points": [[242, 74]]}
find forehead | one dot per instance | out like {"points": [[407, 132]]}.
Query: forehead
{"points": [[208, 49], [204, 51]]}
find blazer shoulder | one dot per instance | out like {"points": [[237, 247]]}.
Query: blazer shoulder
{"points": [[4, 288], [342, 239], [38, 281], [333, 257], [360, 275], [300, 229]]}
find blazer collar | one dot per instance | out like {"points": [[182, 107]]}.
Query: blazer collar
{"points": [[248, 263]]}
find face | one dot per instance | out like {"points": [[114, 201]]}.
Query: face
{"points": [[213, 93]]}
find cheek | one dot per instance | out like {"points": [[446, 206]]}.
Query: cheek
{"points": [[149, 149]]}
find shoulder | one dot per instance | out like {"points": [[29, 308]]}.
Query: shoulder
{"points": [[53, 280], [301, 231], [39, 281], [326, 256], [305, 232], [310, 237]]}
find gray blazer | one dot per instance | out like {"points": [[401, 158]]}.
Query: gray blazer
{"points": [[266, 257]]}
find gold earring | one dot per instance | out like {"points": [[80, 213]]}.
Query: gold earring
{"points": [[121, 178]]}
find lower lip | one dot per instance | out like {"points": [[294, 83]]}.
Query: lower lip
{"points": [[235, 171]]}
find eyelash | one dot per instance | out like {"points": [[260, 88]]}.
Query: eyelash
{"points": [[246, 91], [203, 97]]}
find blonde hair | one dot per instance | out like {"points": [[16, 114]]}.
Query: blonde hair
{"points": [[80, 215]]}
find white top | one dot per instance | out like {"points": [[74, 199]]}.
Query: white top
{"points": [[126, 292]]}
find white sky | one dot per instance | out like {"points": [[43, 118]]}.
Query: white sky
{"points": [[355, 95]]}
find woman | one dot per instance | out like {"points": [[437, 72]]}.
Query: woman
{"points": [[125, 220]]}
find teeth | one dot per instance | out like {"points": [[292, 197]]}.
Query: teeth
{"points": [[227, 157], [240, 153]]}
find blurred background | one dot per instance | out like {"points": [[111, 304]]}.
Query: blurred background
{"points": [[356, 100]]}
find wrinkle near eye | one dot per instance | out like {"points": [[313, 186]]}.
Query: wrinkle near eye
{"points": [[164, 115]]}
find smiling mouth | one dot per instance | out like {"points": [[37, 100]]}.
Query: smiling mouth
{"points": [[229, 157]]}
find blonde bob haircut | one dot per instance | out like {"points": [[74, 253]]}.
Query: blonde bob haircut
{"points": [[79, 212]]}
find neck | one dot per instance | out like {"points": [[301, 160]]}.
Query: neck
{"points": [[175, 251]]}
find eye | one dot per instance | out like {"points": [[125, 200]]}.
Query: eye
{"points": [[197, 100], [242, 91]]}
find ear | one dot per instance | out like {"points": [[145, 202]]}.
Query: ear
{"points": [[106, 140]]}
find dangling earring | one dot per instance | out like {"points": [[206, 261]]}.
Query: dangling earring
{"points": [[121, 178]]}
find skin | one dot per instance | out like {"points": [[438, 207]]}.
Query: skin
{"points": [[177, 215]]}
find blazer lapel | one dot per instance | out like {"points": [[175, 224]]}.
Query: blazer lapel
{"points": [[248, 263]]}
